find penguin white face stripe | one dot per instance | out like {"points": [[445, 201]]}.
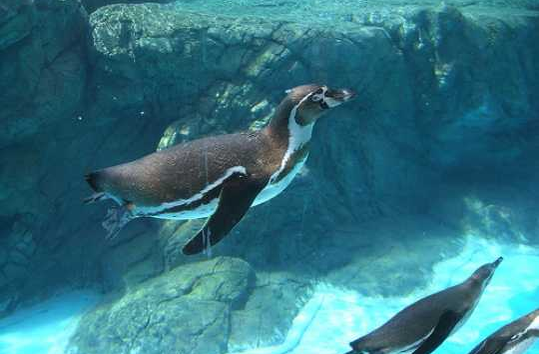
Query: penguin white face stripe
{"points": [[229, 172], [298, 136]]}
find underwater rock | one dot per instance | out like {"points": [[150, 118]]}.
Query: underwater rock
{"points": [[185, 310], [212, 306], [92, 5], [175, 235], [16, 21], [267, 315], [386, 247], [131, 261], [42, 80]]}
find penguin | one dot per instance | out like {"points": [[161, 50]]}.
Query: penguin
{"points": [[513, 338], [217, 177], [421, 327]]}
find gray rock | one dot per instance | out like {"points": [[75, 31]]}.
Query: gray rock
{"points": [[16, 21], [42, 79], [3, 256], [48, 65], [213, 306], [92, 5], [267, 315], [18, 258], [386, 266], [15, 271], [185, 310]]}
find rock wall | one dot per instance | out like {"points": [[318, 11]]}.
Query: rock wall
{"points": [[446, 96]]}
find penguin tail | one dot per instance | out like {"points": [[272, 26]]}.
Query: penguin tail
{"points": [[93, 180]]}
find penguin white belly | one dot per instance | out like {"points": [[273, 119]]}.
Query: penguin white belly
{"points": [[274, 189]]}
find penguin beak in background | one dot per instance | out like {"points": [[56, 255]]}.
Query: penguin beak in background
{"points": [[497, 262]]}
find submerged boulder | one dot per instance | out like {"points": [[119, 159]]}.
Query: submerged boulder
{"points": [[186, 310], [193, 308]]}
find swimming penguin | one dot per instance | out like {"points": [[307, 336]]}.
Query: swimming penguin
{"points": [[513, 338], [421, 327], [219, 177]]}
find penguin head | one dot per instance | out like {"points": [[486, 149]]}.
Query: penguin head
{"points": [[310, 102], [484, 273]]}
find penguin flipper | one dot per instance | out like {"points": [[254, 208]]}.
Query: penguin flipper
{"points": [[237, 195], [448, 320]]}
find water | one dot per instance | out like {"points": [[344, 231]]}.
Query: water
{"points": [[422, 165], [331, 317], [45, 327]]}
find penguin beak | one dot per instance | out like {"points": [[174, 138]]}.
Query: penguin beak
{"points": [[334, 98], [342, 95], [497, 262]]}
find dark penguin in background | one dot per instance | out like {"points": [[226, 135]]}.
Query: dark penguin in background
{"points": [[421, 327], [513, 338], [219, 177]]}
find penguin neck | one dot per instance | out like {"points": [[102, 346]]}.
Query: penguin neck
{"points": [[287, 132], [284, 126]]}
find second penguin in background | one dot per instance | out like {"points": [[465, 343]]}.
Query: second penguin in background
{"points": [[421, 327], [513, 338]]}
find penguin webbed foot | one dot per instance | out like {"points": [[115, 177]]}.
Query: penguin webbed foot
{"points": [[115, 220], [96, 197]]}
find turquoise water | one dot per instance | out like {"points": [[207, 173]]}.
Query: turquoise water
{"points": [[45, 328], [428, 171], [331, 317]]}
